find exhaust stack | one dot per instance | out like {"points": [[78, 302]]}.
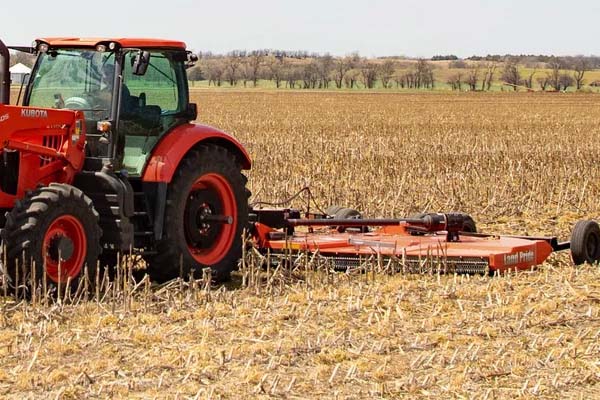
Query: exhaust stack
{"points": [[4, 74]]}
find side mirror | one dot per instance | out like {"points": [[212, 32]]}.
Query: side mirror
{"points": [[191, 60], [191, 113], [140, 62]]}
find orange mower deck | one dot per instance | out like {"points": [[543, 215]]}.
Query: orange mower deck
{"points": [[468, 254], [430, 241]]}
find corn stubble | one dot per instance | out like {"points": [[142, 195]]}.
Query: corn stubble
{"points": [[521, 164]]}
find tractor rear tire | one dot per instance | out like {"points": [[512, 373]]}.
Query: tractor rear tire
{"points": [[585, 242], [52, 226], [207, 183]]}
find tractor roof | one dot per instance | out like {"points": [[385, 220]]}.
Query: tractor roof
{"points": [[122, 42]]}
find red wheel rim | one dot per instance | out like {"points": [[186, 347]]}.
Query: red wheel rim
{"points": [[218, 186], [65, 234]]}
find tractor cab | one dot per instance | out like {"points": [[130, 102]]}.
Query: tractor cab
{"points": [[131, 93]]}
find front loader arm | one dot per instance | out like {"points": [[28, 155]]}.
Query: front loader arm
{"points": [[50, 145]]}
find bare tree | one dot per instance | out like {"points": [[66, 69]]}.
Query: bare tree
{"points": [[424, 75], [244, 72], [529, 80], [196, 73], [473, 77], [431, 79], [341, 66], [386, 73], [351, 78], [277, 69], [253, 66], [400, 81], [419, 76], [455, 81], [232, 65], [511, 75], [580, 67], [543, 81], [292, 73], [324, 67], [215, 69], [310, 74], [368, 72], [488, 77], [553, 76], [566, 81]]}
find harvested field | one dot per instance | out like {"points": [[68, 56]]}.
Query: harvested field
{"points": [[496, 156], [519, 163]]}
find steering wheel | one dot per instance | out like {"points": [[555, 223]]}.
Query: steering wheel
{"points": [[77, 103]]}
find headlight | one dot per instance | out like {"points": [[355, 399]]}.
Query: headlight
{"points": [[77, 132]]}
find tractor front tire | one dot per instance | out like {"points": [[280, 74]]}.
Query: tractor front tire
{"points": [[56, 229], [206, 212]]}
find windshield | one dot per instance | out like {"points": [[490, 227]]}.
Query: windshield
{"points": [[75, 79]]}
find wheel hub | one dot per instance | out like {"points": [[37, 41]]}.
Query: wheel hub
{"points": [[198, 228], [61, 247], [209, 218], [65, 247], [204, 220]]}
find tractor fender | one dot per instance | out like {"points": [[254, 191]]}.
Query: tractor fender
{"points": [[173, 146]]}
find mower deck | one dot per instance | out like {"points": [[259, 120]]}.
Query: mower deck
{"points": [[438, 242], [470, 253]]}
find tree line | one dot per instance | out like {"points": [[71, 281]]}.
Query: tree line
{"points": [[311, 72], [557, 74], [303, 70]]}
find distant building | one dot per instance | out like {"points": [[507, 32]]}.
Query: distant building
{"points": [[19, 73]]}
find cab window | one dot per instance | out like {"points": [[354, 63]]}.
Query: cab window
{"points": [[74, 79], [158, 86], [151, 105]]}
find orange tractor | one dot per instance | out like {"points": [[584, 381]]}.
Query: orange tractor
{"points": [[102, 159]]}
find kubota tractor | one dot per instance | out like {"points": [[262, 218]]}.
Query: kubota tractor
{"points": [[102, 158]]}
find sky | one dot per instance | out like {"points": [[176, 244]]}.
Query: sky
{"points": [[371, 27]]}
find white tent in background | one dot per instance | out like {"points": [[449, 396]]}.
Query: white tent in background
{"points": [[19, 73]]}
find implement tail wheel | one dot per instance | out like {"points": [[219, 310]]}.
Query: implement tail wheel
{"points": [[56, 229], [585, 242], [207, 210]]}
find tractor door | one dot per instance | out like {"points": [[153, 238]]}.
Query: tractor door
{"points": [[151, 105]]}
